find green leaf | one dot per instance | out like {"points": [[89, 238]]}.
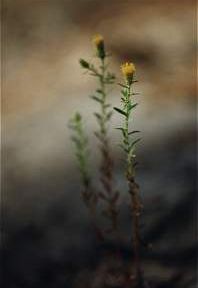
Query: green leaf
{"points": [[107, 105], [131, 106], [108, 116], [120, 111], [98, 116], [120, 128], [123, 130], [135, 93], [133, 132], [96, 99], [84, 63], [124, 93], [133, 144], [109, 77], [99, 91], [123, 147], [94, 70], [122, 85]]}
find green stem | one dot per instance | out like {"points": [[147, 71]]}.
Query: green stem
{"points": [[134, 192], [103, 104], [82, 155], [88, 194], [129, 164], [106, 163]]}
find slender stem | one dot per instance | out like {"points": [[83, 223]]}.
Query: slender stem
{"points": [[89, 196], [135, 205], [129, 164], [134, 192], [107, 162], [103, 107]]}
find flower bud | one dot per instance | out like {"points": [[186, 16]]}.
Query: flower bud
{"points": [[84, 64], [98, 41]]}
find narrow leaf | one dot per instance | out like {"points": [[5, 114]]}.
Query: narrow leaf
{"points": [[120, 111], [123, 130], [99, 91], [133, 106], [108, 116], [124, 92], [120, 128], [135, 142], [133, 132], [123, 147], [96, 98], [98, 116], [135, 93], [122, 85]]}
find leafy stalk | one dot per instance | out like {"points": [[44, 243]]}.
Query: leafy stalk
{"points": [[108, 194], [128, 145], [106, 169], [81, 151]]}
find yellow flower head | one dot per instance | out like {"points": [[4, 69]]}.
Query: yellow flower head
{"points": [[98, 41], [128, 69]]}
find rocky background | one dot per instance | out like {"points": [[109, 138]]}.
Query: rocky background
{"points": [[47, 239]]}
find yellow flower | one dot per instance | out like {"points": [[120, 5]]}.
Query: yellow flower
{"points": [[128, 69], [98, 40]]}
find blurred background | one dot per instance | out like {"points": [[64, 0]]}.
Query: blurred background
{"points": [[47, 238]]}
